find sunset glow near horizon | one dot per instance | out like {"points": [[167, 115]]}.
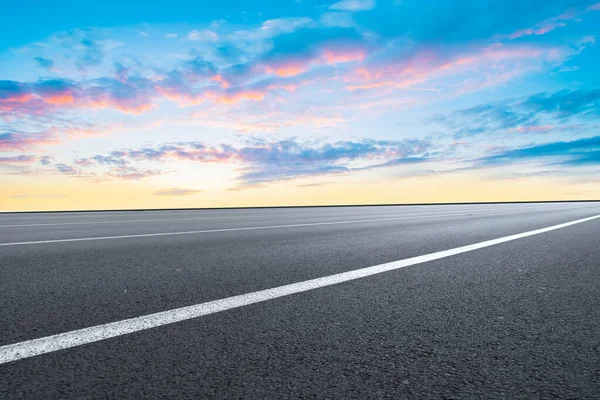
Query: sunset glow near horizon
{"points": [[298, 103]]}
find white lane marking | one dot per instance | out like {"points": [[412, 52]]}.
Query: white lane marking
{"points": [[422, 213], [61, 341], [250, 228], [124, 221], [100, 214]]}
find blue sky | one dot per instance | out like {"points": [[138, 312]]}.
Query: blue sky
{"points": [[277, 102]]}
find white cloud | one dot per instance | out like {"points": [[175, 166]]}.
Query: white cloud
{"points": [[284, 25], [353, 5], [205, 35], [171, 35], [339, 19], [175, 192]]}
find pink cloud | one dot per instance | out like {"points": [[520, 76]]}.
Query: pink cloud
{"points": [[533, 128], [19, 141], [236, 97], [545, 128], [429, 64], [21, 159], [85, 162], [183, 99], [552, 23], [218, 96], [123, 106], [47, 95], [343, 56], [221, 80], [367, 86], [59, 99], [288, 68], [19, 98], [331, 55], [538, 31]]}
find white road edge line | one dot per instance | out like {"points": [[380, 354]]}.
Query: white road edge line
{"points": [[249, 228], [131, 221], [48, 344], [102, 214], [124, 221]]}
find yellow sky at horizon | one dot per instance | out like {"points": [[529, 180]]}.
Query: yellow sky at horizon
{"points": [[67, 194]]}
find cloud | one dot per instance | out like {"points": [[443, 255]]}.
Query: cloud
{"points": [[171, 35], [21, 159], [175, 192], [66, 169], [133, 96], [397, 68], [92, 53], [565, 103], [550, 24], [353, 5], [316, 184], [113, 159], [16, 140], [205, 35], [232, 66], [85, 48], [27, 195], [119, 171], [132, 173], [45, 63], [19, 141], [199, 68], [337, 19], [573, 153], [284, 65], [537, 113], [262, 161]]}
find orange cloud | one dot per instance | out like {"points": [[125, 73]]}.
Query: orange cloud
{"points": [[533, 128], [136, 109], [186, 100], [336, 57], [236, 97], [182, 99], [287, 70], [539, 31], [59, 99], [367, 86], [221, 80], [427, 65], [20, 98]]}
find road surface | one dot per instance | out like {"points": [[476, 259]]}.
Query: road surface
{"points": [[452, 301]]}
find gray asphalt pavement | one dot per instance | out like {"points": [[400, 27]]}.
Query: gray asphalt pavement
{"points": [[514, 320]]}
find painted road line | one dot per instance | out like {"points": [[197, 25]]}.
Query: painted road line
{"points": [[124, 221], [250, 228], [48, 344], [100, 214]]}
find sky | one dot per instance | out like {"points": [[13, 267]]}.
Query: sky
{"points": [[106, 105]]}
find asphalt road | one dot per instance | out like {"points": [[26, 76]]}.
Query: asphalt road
{"points": [[519, 319]]}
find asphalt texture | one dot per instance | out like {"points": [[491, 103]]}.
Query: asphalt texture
{"points": [[515, 320]]}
